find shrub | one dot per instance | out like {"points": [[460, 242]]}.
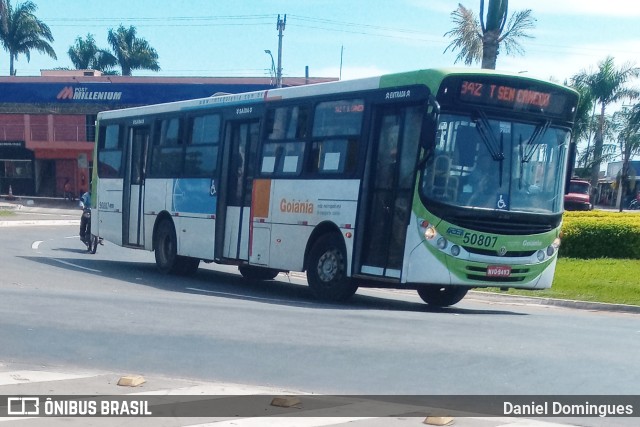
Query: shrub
{"points": [[598, 234]]}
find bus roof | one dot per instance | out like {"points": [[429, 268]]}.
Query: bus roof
{"points": [[430, 77]]}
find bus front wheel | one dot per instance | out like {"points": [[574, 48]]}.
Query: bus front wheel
{"points": [[442, 296], [165, 245], [327, 269]]}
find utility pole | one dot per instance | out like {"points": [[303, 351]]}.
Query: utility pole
{"points": [[341, 52], [280, 26]]}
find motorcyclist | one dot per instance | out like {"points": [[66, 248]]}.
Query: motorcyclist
{"points": [[85, 219]]}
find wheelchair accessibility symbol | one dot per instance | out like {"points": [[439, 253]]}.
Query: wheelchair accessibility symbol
{"points": [[502, 202]]}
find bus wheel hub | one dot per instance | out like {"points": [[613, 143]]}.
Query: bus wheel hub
{"points": [[328, 266]]}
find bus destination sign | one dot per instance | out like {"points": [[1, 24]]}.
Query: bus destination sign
{"points": [[505, 95], [528, 98]]}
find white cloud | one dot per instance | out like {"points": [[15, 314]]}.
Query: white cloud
{"points": [[624, 8]]}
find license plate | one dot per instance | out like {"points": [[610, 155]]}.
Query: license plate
{"points": [[498, 271]]}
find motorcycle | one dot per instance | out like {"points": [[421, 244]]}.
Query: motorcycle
{"points": [[634, 205], [90, 241]]}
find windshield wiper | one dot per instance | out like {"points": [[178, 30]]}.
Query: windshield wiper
{"points": [[538, 132], [495, 148], [527, 153]]}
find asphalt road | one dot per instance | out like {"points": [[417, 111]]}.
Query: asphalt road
{"points": [[113, 311]]}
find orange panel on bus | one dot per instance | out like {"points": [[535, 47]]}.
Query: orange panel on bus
{"points": [[261, 198]]}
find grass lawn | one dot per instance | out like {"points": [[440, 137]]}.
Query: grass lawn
{"points": [[6, 212], [599, 280]]}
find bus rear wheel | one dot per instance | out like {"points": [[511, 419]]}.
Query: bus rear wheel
{"points": [[442, 296], [327, 269], [257, 273], [165, 244]]}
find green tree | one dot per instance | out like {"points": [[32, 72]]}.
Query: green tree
{"points": [[582, 127], [21, 32], [86, 55], [627, 124], [3, 17], [607, 85], [480, 40], [132, 53]]}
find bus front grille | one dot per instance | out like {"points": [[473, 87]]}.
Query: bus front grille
{"points": [[493, 252], [518, 274]]}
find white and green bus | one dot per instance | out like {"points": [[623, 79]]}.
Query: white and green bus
{"points": [[438, 180]]}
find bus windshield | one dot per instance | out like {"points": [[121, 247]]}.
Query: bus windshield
{"points": [[485, 163]]}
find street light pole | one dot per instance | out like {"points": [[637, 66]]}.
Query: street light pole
{"points": [[273, 66], [280, 26]]}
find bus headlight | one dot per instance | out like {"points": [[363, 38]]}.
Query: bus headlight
{"points": [[430, 232], [442, 243], [553, 247], [455, 250], [540, 255]]}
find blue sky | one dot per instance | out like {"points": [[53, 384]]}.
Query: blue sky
{"points": [[228, 38]]}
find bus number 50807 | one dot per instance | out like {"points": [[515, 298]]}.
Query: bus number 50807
{"points": [[479, 240]]}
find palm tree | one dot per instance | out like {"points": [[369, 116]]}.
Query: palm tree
{"points": [[627, 122], [582, 124], [24, 32], [132, 53], [85, 55], [3, 17], [479, 41], [607, 85]]}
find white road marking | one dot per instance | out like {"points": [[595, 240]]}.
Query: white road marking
{"points": [[76, 266], [39, 222], [249, 296], [36, 244], [25, 377]]}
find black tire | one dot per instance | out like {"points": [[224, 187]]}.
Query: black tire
{"points": [[257, 273], [165, 245], [442, 296], [327, 269], [186, 266], [94, 244]]}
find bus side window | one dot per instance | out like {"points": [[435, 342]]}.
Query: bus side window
{"points": [[334, 155], [283, 151], [337, 126], [284, 158], [287, 123], [201, 154], [167, 154], [110, 152]]}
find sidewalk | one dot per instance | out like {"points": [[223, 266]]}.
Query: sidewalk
{"points": [[26, 211], [38, 203], [179, 402]]}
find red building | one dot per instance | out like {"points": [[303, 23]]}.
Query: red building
{"points": [[47, 122]]}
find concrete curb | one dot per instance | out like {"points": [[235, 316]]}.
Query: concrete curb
{"points": [[39, 222], [580, 305]]}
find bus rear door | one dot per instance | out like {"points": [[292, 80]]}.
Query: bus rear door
{"points": [[133, 194], [233, 218]]}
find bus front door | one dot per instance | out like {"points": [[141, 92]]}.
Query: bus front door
{"points": [[133, 194], [232, 226], [390, 189]]}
